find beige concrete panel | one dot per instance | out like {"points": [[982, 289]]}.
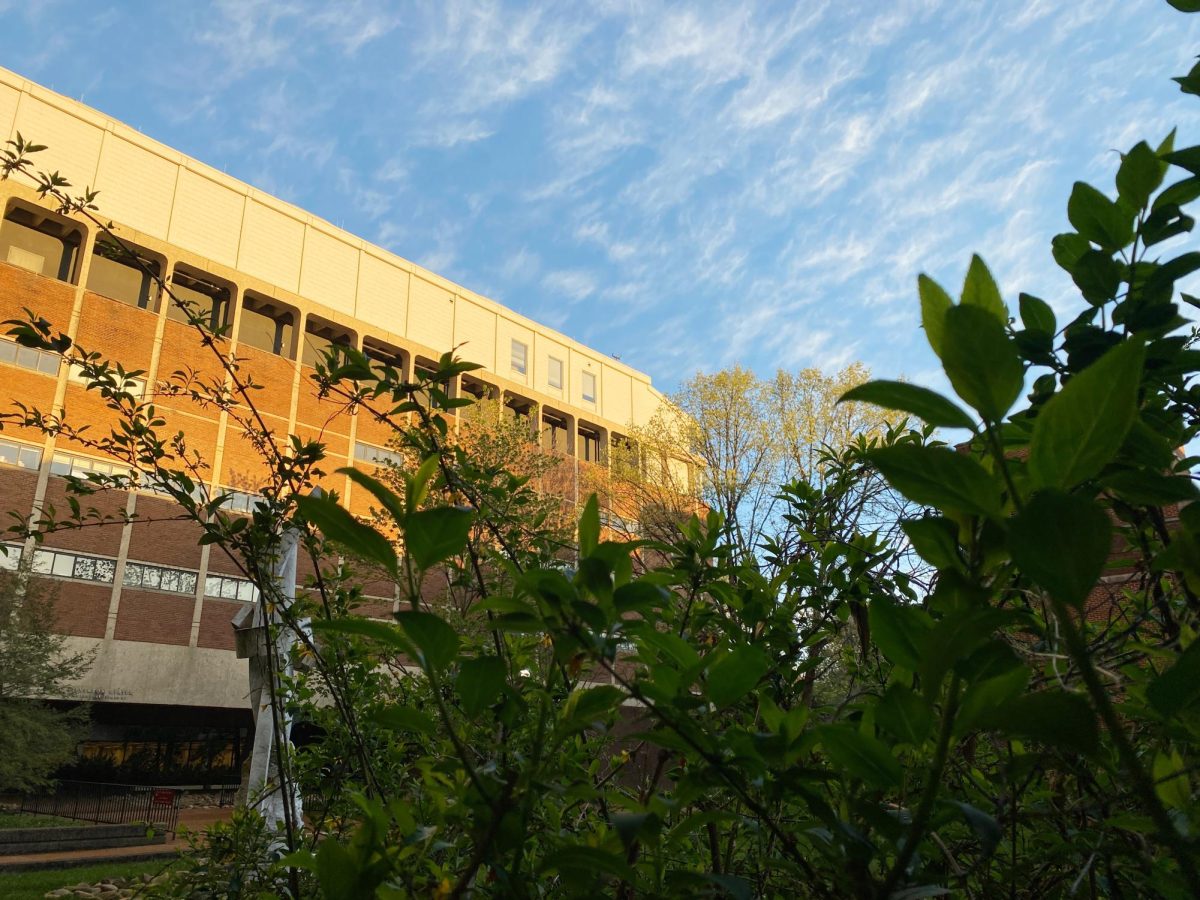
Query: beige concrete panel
{"points": [[72, 145], [646, 402], [382, 294], [140, 672], [508, 331], [431, 315], [615, 397], [330, 271], [544, 348], [136, 186], [8, 110], [579, 364], [207, 218], [271, 245], [475, 333]]}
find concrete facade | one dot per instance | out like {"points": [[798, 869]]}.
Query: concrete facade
{"points": [[154, 604]]}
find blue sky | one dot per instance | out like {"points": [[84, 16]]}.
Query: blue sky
{"points": [[684, 186]]}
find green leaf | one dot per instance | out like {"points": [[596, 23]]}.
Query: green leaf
{"points": [[1062, 542], [1187, 6], [1081, 428], [953, 639], [479, 683], [384, 632], [1037, 315], [735, 674], [1099, 219], [986, 828], [581, 864], [586, 707], [1171, 781], [404, 718], [1097, 276], [1180, 193], [934, 303], [436, 640], [905, 714], [589, 526], [385, 495], [339, 526], [935, 476], [981, 362], [1188, 158], [980, 289], [863, 757], [898, 631], [1150, 488], [1179, 686], [434, 535], [935, 539], [1057, 718], [1140, 174], [1068, 248], [928, 405], [983, 697]]}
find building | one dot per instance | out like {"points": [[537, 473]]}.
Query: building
{"points": [[156, 604]]}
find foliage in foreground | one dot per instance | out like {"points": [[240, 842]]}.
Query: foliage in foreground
{"points": [[644, 719]]}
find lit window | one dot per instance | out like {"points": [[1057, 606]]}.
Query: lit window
{"points": [[369, 453], [589, 387], [229, 587], [27, 358], [520, 356], [39, 242], [124, 274], [554, 373], [20, 455]]}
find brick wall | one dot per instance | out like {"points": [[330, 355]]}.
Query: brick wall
{"points": [[153, 617]]}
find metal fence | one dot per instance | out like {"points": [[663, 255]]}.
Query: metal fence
{"points": [[112, 804]]}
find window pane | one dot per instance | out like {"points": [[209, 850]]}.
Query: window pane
{"points": [[30, 458], [555, 374], [62, 565], [10, 559], [151, 576], [246, 591], [8, 453], [229, 588], [106, 569], [589, 387], [42, 561], [212, 586], [27, 357], [170, 580], [8, 351], [85, 568], [519, 352], [133, 575], [187, 582], [61, 465]]}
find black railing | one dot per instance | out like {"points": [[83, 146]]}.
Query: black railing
{"points": [[113, 804]]}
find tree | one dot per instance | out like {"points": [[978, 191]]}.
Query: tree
{"points": [[35, 738]]}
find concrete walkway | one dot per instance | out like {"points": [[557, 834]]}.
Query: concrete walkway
{"points": [[189, 819]]}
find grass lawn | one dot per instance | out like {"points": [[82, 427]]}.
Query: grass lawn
{"points": [[32, 820], [34, 885]]}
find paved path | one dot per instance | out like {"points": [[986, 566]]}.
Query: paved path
{"points": [[190, 819]]}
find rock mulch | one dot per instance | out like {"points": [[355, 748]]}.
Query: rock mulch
{"points": [[109, 889]]}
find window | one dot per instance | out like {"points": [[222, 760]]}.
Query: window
{"points": [[369, 453], [115, 275], [205, 298], [554, 435], [22, 456], [520, 356], [589, 387], [10, 557], [133, 386], [27, 358], [319, 337], [240, 501], [40, 242], [266, 325], [591, 445], [73, 565], [159, 578], [229, 587], [81, 466], [383, 357], [554, 373]]}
